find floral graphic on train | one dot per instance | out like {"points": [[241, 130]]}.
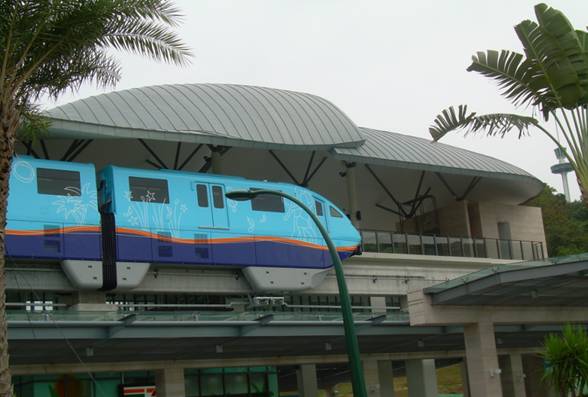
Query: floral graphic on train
{"points": [[75, 205], [303, 227], [161, 217]]}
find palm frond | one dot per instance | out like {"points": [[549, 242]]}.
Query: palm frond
{"points": [[517, 77], [493, 124], [552, 63]]}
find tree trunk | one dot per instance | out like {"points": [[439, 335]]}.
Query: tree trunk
{"points": [[9, 123], [583, 190]]}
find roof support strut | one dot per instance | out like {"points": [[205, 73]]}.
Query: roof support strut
{"points": [[475, 180], [308, 174], [401, 210]]}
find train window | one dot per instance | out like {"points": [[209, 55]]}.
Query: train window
{"points": [[217, 197], [202, 195], [319, 207], [58, 182], [148, 190], [269, 203], [334, 213]]}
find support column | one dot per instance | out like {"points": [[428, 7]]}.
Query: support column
{"points": [[465, 384], [513, 377], [379, 380], [351, 181], [170, 382], [422, 378], [482, 360], [307, 382], [90, 301], [216, 161]]}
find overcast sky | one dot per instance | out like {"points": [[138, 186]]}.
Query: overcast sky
{"points": [[388, 65]]}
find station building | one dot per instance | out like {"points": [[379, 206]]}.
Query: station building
{"points": [[454, 270]]}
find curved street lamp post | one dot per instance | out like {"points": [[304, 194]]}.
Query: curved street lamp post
{"points": [[350, 337]]}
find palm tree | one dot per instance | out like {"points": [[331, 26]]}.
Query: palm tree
{"points": [[49, 46], [566, 356], [550, 78]]}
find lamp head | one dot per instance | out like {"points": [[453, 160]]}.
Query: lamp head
{"points": [[241, 195]]}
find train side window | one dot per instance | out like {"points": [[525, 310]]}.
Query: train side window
{"points": [[148, 190], [319, 207], [217, 197], [58, 182], [268, 203], [202, 195], [334, 213]]}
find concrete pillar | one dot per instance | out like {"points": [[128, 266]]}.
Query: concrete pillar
{"points": [[216, 161], [170, 382], [464, 379], [307, 382], [422, 378], [89, 301], [378, 304], [378, 378], [513, 378], [351, 180], [482, 360]]}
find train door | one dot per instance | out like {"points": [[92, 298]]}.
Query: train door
{"points": [[204, 224], [220, 218]]}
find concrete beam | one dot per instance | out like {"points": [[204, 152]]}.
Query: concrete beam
{"points": [[423, 312]]}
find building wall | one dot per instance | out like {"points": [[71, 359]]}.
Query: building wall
{"points": [[526, 223]]}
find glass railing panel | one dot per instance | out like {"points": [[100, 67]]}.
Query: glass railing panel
{"points": [[538, 250], [455, 246], [369, 240], [414, 244], [480, 248], [385, 242], [429, 245], [442, 245], [399, 243], [505, 249], [517, 253], [491, 245], [527, 249], [468, 247]]}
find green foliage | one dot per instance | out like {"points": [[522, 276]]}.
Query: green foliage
{"points": [[566, 356], [566, 224], [551, 77]]}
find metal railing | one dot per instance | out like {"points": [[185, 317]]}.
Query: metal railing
{"points": [[421, 244]]}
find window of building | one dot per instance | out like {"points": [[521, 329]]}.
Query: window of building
{"points": [[58, 182], [202, 195], [334, 213], [269, 203], [318, 207], [148, 190], [217, 197]]}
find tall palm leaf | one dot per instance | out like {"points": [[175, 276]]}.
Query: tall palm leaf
{"points": [[47, 47], [552, 76]]}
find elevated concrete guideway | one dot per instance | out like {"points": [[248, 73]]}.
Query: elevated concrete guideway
{"points": [[547, 292]]}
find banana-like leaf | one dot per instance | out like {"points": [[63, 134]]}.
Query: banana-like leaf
{"points": [[493, 124], [519, 79], [554, 48]]}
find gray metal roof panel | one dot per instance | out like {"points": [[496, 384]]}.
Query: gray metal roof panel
{"points": [[413, 152], [235, 112]]}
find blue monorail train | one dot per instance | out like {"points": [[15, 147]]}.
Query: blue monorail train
{"points": [[107, 233]]}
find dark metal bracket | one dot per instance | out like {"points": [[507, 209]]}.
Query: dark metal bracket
{"points": [[475, 180], [308, 174]]}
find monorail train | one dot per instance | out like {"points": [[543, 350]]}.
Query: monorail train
{"points": [[106, 235]]}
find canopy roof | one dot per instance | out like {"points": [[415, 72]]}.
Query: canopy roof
{"points": [[263, 118], [556, 281]]}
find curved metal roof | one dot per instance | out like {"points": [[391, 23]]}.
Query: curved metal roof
{"points": [[406, 151], [221, 112]]}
